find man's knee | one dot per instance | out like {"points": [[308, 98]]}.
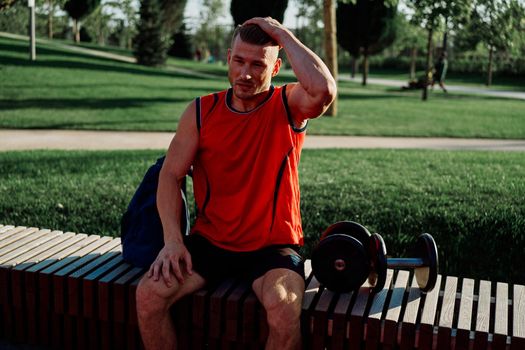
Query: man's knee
{"points": [[153, 297], [283, 305]]}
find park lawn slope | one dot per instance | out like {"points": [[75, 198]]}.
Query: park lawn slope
{"points": [[70, 90], [471, 202]]}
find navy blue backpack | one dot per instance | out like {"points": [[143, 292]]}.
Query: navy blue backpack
{"points": [[140, 227]]}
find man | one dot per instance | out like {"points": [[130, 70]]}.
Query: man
{"points": [[244, 145], [440, 71]]}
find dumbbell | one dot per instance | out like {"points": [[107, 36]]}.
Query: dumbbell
{"points": [[348, 254]]}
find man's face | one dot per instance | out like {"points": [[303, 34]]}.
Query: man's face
{"points": [[251, 68]]}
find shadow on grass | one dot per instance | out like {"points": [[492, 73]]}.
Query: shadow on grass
{"points": [[150, 87], [84, 103], [88, 63]]}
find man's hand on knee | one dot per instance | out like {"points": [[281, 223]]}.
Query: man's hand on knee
{"points": [[174, 259]]}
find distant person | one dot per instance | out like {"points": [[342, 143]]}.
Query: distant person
{"points": [[244, 144], [440, 70]]}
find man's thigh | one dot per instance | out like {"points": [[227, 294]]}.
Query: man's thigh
{"points": [[158, 289]]}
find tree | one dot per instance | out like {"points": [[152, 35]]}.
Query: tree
{"points": [[78, 9], [429, 14], [330, 42], [150, 46], [243, 10], [496, 22], [309, 24], [51, 10], [5, 4], [172, 15], [367, 27], [127, 26], [211, 38], [181, 46]]}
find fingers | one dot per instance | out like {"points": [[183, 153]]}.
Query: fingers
{"points": [[188, 263]]}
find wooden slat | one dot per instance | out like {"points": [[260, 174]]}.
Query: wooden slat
{"points": [[59, 277], [373, 323], [465, 315], [393, 315], [74, 281], [18, 241], [249, 327], [483, 316], [16, 255], [447, 313], [13, 235], [428, 316], [501, 322], [408, 329], [339, 330], [200, 317], [42, 260], [320, 319], [233, 312], [5, 229], [36, 255], [357, 318], [89, 284], [133, 340], [217, 308], [518, 318]]}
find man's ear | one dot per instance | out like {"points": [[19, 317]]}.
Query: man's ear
{"points": [[277, 67], [229, 55]]}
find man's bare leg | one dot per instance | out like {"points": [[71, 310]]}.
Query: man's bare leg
{"points": [[281, 293], [154, 299]]}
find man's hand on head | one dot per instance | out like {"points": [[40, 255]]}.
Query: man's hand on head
{"points": [[271, 26], [172, 259]]}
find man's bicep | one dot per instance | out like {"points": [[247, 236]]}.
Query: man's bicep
{"points": [[302, 105], [183, 147]]}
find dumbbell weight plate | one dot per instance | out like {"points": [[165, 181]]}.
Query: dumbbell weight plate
{"points": [[377, 252], [340, 263], [350, 228], [426, 250]]}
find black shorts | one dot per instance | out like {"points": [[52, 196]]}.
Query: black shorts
{"points": [[215, 264]]}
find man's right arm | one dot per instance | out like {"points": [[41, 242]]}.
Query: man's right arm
{"points": [[174, 257]]}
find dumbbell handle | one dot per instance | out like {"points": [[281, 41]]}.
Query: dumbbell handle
{"points": [[404, 262]]}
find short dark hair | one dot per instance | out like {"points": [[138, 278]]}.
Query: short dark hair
{"points": [[252, 34]]}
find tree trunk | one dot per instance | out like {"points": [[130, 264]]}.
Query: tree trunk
{"points": [[330, 46], [489, 70], [428, 68], [413, 57], [365, 66], [50, 16], [76, 30]]}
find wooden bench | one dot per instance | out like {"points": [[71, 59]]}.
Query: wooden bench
{"points": [[67, 290]]}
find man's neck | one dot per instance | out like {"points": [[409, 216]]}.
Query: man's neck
{"points": [[249, 104]]}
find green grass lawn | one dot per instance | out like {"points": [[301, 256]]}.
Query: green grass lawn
{"points": [[471, 202], [67, 90]]}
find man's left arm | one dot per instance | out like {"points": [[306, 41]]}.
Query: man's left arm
{"points": [[316, 88]]}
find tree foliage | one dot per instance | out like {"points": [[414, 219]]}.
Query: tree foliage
{"points": [[5, 4], [150, 45], [243, 10], [78, 9], [366, 27], [211, 38], [172, 16]]}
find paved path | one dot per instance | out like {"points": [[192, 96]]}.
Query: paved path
{"points": [[108, 140]]}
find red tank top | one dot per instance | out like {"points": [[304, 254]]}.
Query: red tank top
{"points": [[245, 173]]}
